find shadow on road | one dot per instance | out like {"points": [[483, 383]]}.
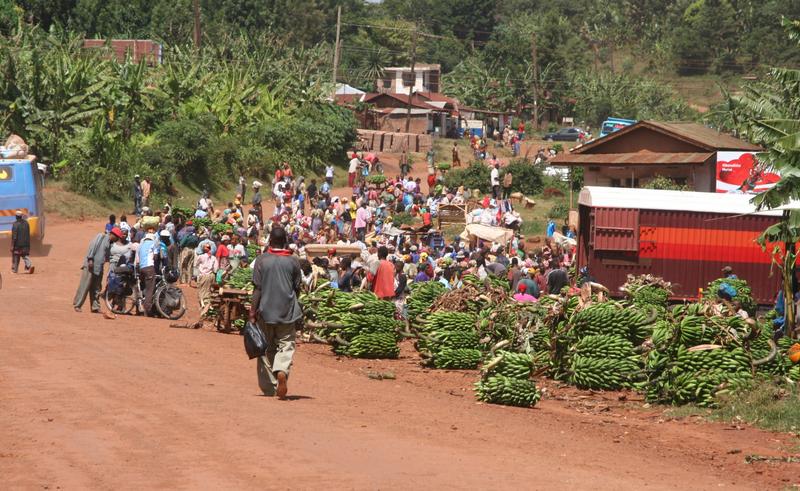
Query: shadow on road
{"points": [[37, 250]]}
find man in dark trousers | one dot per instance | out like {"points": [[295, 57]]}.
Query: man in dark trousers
{"points": [[277, 279], [92, 276], [21, 243], [138, 194]]}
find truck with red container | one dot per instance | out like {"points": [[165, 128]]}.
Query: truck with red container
{"points": [[684, 237]]}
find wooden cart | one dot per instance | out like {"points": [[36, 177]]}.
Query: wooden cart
{"points": [[230, 304]]}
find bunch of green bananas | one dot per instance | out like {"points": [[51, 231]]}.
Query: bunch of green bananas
{"points": [[499, 282], [328, 305], [471, 279], [662, 333], [508, 391], [678, 375], [730, 360], [611, 318], [650, 295], [457, 358], [603, 373], [702, 387], [603, 346], [354, 324], [241, 278], [373, 345], [253, 250], [510, 364], [379, 307], [437, 340], [220, 229], [759, 348], [743, 292], [422, 297], [449, 321]]}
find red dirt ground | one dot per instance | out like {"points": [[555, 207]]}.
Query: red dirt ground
{"points": [[131, 403]]}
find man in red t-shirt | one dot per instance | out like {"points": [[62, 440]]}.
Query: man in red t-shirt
{"points": [[383, 281]]}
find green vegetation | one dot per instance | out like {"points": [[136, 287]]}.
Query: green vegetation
{"points": [[527, 178], [201, 116], [768, 404], [663, 182], [255, 93]]}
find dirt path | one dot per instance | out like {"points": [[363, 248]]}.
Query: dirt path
{"points": [[90, 403]]}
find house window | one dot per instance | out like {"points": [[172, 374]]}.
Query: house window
{"points": [[618, 183], [387, 83], [409, 79]]}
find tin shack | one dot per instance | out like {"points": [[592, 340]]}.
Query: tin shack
{"points": [[684, 237]]}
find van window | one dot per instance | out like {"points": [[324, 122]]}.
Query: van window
{"points": [[6, 173]]}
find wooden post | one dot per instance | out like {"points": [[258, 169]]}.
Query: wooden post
{"points": [[197, 24], [336, 46], [413, 78], [535, 60]]}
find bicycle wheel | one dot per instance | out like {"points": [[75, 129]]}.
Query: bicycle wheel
{"points": [[119, 304], [170, 302]]}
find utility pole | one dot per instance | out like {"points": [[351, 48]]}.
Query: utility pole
{"points": [[534, 59], [197, 24], [413, 77], [336, 47]]}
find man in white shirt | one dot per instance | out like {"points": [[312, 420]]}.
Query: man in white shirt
{"points": [[495, 181], [329, 173], [352, 170]]}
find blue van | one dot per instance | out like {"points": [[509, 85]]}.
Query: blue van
{"points": [[611, 125], [21, 189]]}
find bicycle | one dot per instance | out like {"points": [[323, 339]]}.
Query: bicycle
{"points": [[168, 298]]}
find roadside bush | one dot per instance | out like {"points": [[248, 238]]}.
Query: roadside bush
{"points": [[663, 182], [97, 162], [559, 211], [527, 179], [182, 147], [476, 176]]}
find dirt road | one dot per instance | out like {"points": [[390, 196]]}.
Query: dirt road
{"points": [[89, 403]]}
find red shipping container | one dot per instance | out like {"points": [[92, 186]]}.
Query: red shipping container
{"points": [[684, 237]]}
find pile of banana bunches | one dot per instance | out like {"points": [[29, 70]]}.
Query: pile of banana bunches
{"points": [[465, 339], [686, 353], [357, 324], [506, 380]]}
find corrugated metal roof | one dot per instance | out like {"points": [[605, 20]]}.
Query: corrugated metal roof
{"points": [[653, 199], [636, 158], [697, 134], [403, 110], [704, 135], [416, 101]]}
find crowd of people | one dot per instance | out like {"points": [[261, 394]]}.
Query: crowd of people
{"points": [[209, 243]]}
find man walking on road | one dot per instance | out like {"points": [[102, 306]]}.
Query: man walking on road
{"points": [[405, 169], [242, 185], [146, 191], [92, 276], [207, 265], [352, 170], [137, 195], [277, 279], [495, 181], [21, 244]]}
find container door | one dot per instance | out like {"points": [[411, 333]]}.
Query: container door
{"points": [[616, 229]]}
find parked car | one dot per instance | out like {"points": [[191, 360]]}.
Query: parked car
{"points": [[565, 135]]}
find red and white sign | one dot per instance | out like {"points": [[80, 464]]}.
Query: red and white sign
{"points": [[740, 172]]}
